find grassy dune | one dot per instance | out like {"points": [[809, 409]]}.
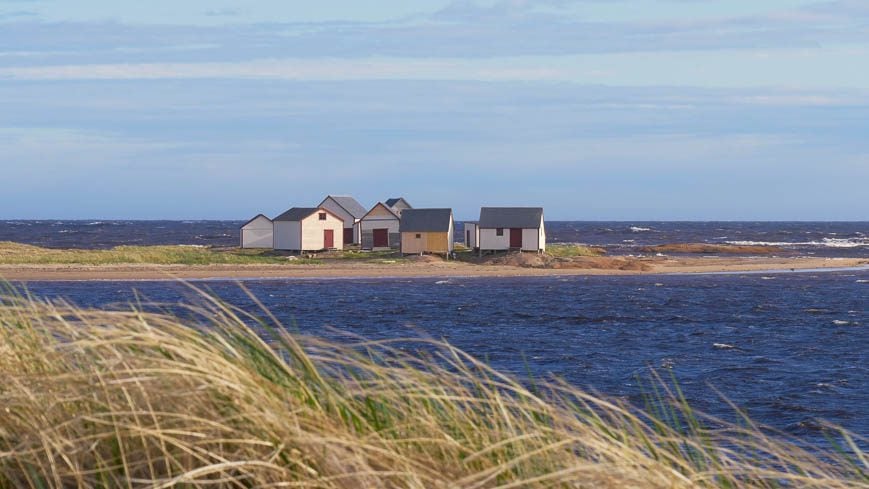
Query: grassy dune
{"points": [[22, 254], [573, 250], [128, 399]]}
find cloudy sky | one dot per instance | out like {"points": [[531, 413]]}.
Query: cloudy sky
{"points": [[595, 109]]}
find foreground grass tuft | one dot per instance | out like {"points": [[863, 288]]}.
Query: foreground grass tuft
{"points": [[128, 399]]}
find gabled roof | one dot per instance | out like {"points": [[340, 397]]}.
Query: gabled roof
{"points": [[255, 218], [425, 220], [511, 217], [381, 204], [349, 204], [299, 213], [391, 202]]}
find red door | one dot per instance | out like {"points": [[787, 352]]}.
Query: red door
{"points": [[515, 238], [348, 235], [381, 238], [328, 238]]}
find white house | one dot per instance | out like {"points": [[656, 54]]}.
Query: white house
{"points": [[512, 228], [398, 204], [472, 234], [258, 233], [380, 228], [308, 229], [348, 209]]}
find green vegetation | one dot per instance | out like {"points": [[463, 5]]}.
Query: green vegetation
{"points": [[131, 399], [573, 250], [21, 254]]}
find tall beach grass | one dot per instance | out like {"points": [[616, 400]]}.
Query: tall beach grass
{"points": [[93, 398]]}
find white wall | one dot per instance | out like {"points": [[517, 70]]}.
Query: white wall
{"points": [[490, 241], [259, 233], [312, 232], [475, 236], [287, 235]]}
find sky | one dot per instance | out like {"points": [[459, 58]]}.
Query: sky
{"points": [[594, 109]]}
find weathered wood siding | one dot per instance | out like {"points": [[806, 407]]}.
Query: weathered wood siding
{"points": [[313, 235], [426, 243], [258, 233]]}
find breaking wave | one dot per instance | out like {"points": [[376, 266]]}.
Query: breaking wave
{"points": [[826, 243]]}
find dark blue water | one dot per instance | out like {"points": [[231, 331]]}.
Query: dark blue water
{"points": [[790, 348], [845, 239]]}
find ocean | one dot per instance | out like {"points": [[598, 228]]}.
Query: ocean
{"points": [[844, 239], [791, 349]]}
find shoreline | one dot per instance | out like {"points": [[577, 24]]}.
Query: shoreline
{"points": [[669, 266]]}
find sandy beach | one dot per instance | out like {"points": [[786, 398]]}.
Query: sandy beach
{"points": [[422, 268]]}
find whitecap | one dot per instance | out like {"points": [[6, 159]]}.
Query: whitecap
{"points": [[839, 322], [441, 282], [637, 229], [723, 346], [863, 281]]}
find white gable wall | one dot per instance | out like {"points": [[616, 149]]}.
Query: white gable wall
{"points": [[313, 232], [258, 233], [349, 220]]}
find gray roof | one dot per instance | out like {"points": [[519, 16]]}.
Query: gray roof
{"points": [[425, 220], [391, 202], [511, 217], [297, 214], [349, 204]]}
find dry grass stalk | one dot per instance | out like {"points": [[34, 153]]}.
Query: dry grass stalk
{"points": [[129, 399]]}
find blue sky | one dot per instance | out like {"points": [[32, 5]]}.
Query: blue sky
{"points": [[596, 109]]}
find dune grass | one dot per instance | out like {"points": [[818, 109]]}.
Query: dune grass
{"points": [[128, 399], [568, 250], [22, 254]]}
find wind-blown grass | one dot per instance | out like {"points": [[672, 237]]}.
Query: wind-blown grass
{"points": [[22, 254], [128, 399]]}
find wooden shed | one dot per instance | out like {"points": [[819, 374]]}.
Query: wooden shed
{"points": [[471, 234], [380, 228], [398, 204], [426, 231], [512, 228], [348, 209], [308, 229], [257, 233]]}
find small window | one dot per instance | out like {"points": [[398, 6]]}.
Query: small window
{"points": [[499, 232], [418, 236], [322, 216]]}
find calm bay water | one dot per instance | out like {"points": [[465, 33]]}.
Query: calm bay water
{"points": [[789, 348]]}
